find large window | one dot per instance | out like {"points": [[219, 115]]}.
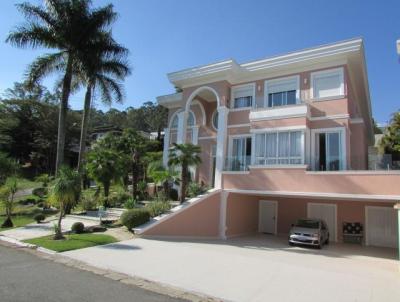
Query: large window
{"points": [[282, 92], [279, 148], [328, 150], [327, 83], [243, 96], [240, 153]]}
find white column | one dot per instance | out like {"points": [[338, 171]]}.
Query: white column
{"points": [[195, 135], [222, 215], [166, 146], [221, 145], [181, 135]]}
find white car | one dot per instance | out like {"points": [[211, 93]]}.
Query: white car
{"points": [[313, 232]]}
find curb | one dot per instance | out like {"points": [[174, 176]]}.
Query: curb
{"points": [[17, 242]]}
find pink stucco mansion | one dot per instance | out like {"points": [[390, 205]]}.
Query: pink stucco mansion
{"points": [[282, 138]]}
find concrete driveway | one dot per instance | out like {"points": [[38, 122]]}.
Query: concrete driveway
{"points": [[260, 268]]}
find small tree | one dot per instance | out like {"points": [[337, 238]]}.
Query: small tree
{"points": [[104, 166], [162, 176], [184, 156], [65, 190], [7, 194], [390, 142]]}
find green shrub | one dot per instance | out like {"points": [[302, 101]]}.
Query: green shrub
{"points": [[28, 201], [118, 198], [134, 217], [89, 203], [39, 217], [44, 179], [39, 192], [130, 203], [142, 188], [78, 227], [194, 189], [156, 208]]}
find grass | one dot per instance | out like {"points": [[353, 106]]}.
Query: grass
{"points": [[18, 221], [24, 183], [72, 242]]}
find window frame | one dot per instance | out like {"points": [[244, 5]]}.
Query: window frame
{"points": [[290, 80], [238, 88], [328, 72], [240, 136], [289, 157]]}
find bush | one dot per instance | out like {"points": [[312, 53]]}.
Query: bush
{"points": [[39, 217], [156, 208], [28, 201], [39, 192], [173, 194], [78, 227], [89, 203], [134, 217], [130, 203], [117, 199], [194, 189]]}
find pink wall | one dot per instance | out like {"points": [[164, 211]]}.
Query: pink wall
{"points": [[199, 220], [299, 180], [358, 147], [241, 215], [204, 170]]}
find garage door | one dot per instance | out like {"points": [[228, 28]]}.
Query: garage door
{"points": [[326, 212], [381, 226]]}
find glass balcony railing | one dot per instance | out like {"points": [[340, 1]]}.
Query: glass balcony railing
{"points": [[237, 163]]}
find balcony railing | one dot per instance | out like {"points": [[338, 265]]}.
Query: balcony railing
{"points": [[237, 163]]}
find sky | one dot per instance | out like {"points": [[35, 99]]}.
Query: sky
{"points": [[169, 35]]}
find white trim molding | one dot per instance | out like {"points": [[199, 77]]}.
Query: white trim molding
{"points": [[291, 111], [329, 117], [166, 147], [277, 129], [357, 120], [239, 125], [222, 215]]}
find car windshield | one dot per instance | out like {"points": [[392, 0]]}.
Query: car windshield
{"points": [[311, 224]]}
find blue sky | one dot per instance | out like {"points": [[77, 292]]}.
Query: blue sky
{"points": [[169, 35]]}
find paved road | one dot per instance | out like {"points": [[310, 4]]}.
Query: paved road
{"points": [[25, 277]]}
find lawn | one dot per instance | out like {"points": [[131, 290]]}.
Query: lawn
{"points": [[18, 221], [24, 183], [72, 242]]}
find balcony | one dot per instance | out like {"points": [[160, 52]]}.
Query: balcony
{"points": [[288, 111]]}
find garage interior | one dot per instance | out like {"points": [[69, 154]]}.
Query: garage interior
{"points": [[251, 214]]}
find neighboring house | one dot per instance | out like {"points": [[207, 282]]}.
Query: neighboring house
{"points": [[101, 131], [282, 138]]}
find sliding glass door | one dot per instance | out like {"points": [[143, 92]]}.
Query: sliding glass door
{"points": [[241, 153], [328, 150]]}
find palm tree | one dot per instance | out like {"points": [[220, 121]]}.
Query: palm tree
{"points": [[184, 156], [104, 166], [65, 191], [104, 66], [68, 26]]}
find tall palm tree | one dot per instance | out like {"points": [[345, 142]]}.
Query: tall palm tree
{"points": [[104, 66], [69, 27], [65, 191], [184, 156]]}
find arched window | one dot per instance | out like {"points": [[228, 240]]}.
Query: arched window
{"points": [[215, 119], [190, 120]]}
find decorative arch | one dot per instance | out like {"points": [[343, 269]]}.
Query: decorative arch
{"points": [[203, 112], [197, 91]]}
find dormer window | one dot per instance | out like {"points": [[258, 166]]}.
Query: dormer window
{"points": [[243, 96], [282, 92]]}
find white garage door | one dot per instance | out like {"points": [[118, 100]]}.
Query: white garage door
{"points": [[381, 226], [326, 212]]}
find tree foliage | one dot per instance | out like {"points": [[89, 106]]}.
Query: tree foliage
{"points": [[390, 142], [184, 156]]}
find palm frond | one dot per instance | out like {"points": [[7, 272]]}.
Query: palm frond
{"points": [[33, 35], [45, 65]]}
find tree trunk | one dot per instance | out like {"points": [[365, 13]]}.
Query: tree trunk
{"points": [[58, 235], [106, 193], [84, 126], [134, 180], [183, 183], [62, 115]]}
